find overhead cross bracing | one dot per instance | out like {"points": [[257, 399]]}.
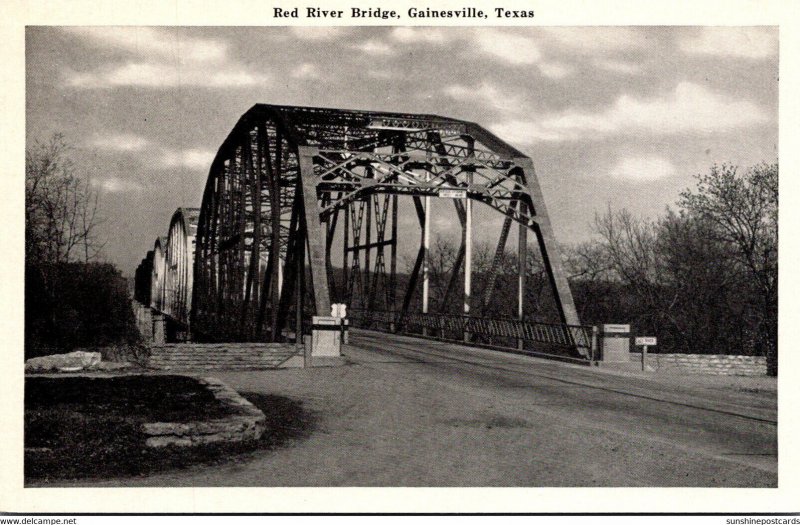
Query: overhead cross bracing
{"points": [[293, 189]]}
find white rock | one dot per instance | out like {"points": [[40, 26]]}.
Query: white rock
{"points": [[73, 362]]}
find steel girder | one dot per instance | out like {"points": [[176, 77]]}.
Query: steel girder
{"points": [[285, 177], [178, 266], [159, 272]]}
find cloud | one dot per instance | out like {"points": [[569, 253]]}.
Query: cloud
{"points": [[306, 70], [193, 158], [317, 32], [594, 40], [380, 74], [146, 150], [375, 47], [119, 142], [163, 75], [161, 59], [510, 47], [485, 93], [517, 49], [152, 42], [743, 42], [555, 70], [689, 108], [429, 35], [643, 169], [617, 66], [116, 185]]}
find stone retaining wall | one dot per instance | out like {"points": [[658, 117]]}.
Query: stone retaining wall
{"points": [[226, 356], [247, 423], [738, 365]]}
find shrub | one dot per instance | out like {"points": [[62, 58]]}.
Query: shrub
{"points": [[76, 305]]}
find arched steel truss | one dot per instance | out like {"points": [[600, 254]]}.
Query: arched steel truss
{"points": [[158, 275], [179, 264], [170, 272], [286, 177]]}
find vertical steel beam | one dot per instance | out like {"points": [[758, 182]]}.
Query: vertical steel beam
{"points": [[314, 232], [300, 294], [498, 256], [468, 262], [426, 254], [251, 188], [255, 268], [275, 231], [393, 264], [241, 225], [346, 292], [288, 283], [468, 241], [426, 239], [356, 281], [548, 247], [367, 251], [522, 271], [331, 223], [412, 282], [451, 283]]}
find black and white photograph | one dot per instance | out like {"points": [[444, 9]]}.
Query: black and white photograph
{"points": [[410, 246]]}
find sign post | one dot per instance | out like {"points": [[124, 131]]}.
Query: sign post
{"points": [[644, 342]]}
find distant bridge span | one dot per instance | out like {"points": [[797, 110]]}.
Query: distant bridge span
{"points": [[304, 207]]}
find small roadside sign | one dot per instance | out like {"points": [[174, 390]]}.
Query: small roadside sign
{"points": [[645, 341], [616, 328], [453, 193]]}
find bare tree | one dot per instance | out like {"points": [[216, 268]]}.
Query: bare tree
{"points": [[60, 207], [630, 251]]}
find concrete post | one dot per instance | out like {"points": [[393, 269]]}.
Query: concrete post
{"points": [[307, 344], [616, 343], [146, 322], [522, 270], [326, 336]]}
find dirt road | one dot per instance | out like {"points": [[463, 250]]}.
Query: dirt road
{"points": [[406, 412]]}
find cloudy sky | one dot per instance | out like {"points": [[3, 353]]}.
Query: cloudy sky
{"points": [[617, 116]]}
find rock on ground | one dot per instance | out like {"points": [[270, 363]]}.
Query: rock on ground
{"points": [[73, 361]]}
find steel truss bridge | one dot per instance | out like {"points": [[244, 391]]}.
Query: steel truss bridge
{"points": [[305, 207]]}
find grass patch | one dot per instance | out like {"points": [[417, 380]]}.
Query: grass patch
{"points": [[80, 431]]}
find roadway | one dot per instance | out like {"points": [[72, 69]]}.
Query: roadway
{"points": [[408, 412]]}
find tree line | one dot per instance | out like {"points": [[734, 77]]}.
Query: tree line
{"points": [[72, 298]]}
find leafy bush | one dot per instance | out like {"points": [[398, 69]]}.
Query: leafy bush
{"points": [[76, 305]]}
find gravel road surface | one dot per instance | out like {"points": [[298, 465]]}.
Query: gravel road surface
{"points": [[407, 412]]}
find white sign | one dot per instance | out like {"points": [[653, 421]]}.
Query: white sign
{"points": [[453, 194], [645, 341], [616, 328], [339, 310]]}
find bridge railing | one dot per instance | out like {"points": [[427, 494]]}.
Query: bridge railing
{"points": [[551, 339]]}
